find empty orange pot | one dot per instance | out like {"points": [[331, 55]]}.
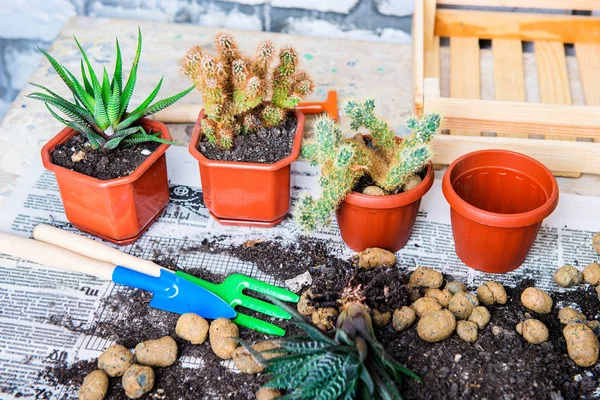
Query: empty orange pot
{"points": [[118, 210], [498, 200], [381, 221], [244, 193]]}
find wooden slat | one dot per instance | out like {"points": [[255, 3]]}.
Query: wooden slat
{"points": [[431, 42], [418, 55], [553, 77], [587, 5], [588, 58], [515, 117], [509, 78], [570, 157], [521, 26], [464, 73]]}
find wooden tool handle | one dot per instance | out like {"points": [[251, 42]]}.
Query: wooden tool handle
{"points": [[94, 249], [178, 114], [52, 256]]}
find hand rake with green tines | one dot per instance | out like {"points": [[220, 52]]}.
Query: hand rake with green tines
{"points": [[231, 290]]}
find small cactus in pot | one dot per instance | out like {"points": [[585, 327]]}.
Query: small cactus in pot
{"points": [[392, 165], [242, 93]]}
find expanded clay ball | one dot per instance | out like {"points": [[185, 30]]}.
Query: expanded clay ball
{"points": [[427, 277], [467, 331], [245, 362], [373, 191], [596, 242], [568, 276], [436, 326], [591, 274], [94, 386], [461, 305], [598, 291], [381, 319], [536, 300], [455, 287], [157, 353], [412, 181], [582, 344], [265, 393], [192, 327], [115, 360], [304, 308], [137, 381], [374, 257], [325, 318], [403, 318], [223, 335], [569, 315], [534, 331], [492, 292], [594, 325], [481, 316], [442, 296], [425, 305]]}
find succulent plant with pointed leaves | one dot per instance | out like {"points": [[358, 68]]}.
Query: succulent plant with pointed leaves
{"points": [[388, 162], [346, 363], [241, 93], [99, 110]]}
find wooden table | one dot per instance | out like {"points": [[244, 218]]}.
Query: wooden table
{"points": [[353, 68]]}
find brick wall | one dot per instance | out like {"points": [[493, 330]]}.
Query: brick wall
{"points": [[26, 24]]}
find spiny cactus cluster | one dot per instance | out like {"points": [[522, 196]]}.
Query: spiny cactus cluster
{"points": [[241, 93], [388, 162]]}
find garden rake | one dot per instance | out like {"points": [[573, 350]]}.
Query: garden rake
{"points": [[230, 290]]}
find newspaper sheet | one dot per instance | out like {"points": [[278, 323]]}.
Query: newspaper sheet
{"points": [[31, 294]]}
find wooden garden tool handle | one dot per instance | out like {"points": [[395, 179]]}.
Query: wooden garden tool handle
{"points": [[53, 256], [94, 249]]}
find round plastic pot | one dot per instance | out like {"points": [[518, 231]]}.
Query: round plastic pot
{"points": [[381, 221], [118, 210], [498, 200], [245, 193]]}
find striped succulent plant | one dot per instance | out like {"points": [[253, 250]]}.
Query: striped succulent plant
{"points": [[99, 110]]}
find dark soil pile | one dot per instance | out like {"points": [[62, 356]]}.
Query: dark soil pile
{"points": [[266, 146], [500, 364], [275, 259], [383, 289], [118, 163]]}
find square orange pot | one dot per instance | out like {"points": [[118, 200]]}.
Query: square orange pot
{"points": [[118, 210], [244, 193]]}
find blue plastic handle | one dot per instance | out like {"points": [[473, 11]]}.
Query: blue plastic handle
{"points": [[175, 294]]}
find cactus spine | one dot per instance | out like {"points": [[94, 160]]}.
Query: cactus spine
{"points": [[388, 162]]}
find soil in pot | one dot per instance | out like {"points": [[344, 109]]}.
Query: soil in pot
{"points": [[77, 155], [266, 146]]}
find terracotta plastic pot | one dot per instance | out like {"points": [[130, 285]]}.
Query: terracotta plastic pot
{"points": [[244, 193], [118, 210], [381, 221], [498, 200]]}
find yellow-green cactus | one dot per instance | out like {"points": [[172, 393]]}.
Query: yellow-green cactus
{"points": [[387, 161], [241, 93]]}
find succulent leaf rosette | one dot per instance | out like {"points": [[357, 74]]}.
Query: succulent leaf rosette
{"points": [[100, 110]]}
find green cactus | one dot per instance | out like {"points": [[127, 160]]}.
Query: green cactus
{"points": [[387, 161], [241, 94]]}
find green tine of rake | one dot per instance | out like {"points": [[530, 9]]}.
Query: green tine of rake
{"points": [[232, 291]]}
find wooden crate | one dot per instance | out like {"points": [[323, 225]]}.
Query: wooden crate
{"points": [[570, 144]]}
